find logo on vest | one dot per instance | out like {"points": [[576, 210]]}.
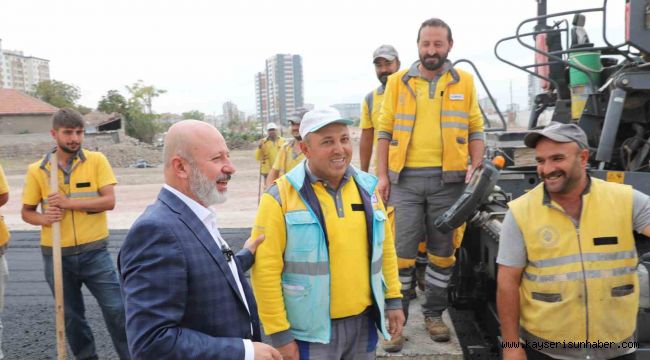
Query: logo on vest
{"points": [[401, 99], [458, 97], [548, 236]]}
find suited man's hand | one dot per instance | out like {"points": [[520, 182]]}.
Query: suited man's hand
{"points": [[290, 351], [252, 245], [265, 352]]}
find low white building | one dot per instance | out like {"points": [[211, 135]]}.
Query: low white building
{"points": [[21, 72]]}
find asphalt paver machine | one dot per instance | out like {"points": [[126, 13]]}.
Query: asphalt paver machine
{"points": [[605, 90]]}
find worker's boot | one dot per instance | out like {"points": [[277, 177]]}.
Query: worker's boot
{"points": [[437, 329]]}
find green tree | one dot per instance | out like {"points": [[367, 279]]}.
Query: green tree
{"points": [[194, 114], [141, 125], [57, 93], [138, 113], [83, 110], [144, 94], [112, 102]]}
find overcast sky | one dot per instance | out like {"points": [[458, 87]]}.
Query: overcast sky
{"points": [[207, 52]]}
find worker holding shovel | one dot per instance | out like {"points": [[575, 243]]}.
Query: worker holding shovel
{"points": [[84, 193]]}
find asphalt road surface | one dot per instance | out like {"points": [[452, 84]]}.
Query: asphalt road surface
{"points": [[28, 316]]}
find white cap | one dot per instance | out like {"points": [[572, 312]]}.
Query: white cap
{"points": [[319, 118], [271, 126], [294, 119]]}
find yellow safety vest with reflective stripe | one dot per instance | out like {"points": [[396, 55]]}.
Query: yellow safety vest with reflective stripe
{"points": [[457, 87], [580, 283]]}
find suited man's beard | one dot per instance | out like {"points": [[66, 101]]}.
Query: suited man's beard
{"points": [[205, 189]]}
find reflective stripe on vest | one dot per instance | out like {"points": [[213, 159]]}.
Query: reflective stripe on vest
{"points": [[460, 114], [577, 275], [307, 268], [563, 260], [77, 195]]}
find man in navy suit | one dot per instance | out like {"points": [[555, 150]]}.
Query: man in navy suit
{"points": [[185, 293]]}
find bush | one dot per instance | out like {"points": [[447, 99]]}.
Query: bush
{"points": [[239, 139]]}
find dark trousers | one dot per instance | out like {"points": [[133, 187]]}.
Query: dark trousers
{"points": [[95, 269]]}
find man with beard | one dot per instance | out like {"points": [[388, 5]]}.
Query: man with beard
{"points": [[290, 154], [430, 126], [185, 291], [386, 61], [85, 193], [567, 257], [326, 275]]}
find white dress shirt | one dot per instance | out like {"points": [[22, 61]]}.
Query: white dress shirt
{"points": [[209, 219]]}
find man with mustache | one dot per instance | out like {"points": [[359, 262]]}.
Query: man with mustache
{"points": [[85, 193], [326, 275], [290, 154], [430, 127], [185, 291], [386, 61], [567, 257]]}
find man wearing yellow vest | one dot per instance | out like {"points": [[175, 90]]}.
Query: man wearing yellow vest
{"points": [[567, 260], [289, 155], [268, 149], [4, 241], [85, 193], [386, 61], [326, 275], [430, 127]]}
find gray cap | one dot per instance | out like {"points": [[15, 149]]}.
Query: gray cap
{"points": [[387, 52], [558, 132]]}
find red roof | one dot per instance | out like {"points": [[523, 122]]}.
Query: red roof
{"points": [[15, 102]]}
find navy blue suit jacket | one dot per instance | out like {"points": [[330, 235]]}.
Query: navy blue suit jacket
{"points": [[181, 299]]}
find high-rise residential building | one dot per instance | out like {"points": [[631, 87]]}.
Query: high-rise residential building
{"points": [[261, 96], [231, 112], [279, 90], [21, 72]]}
